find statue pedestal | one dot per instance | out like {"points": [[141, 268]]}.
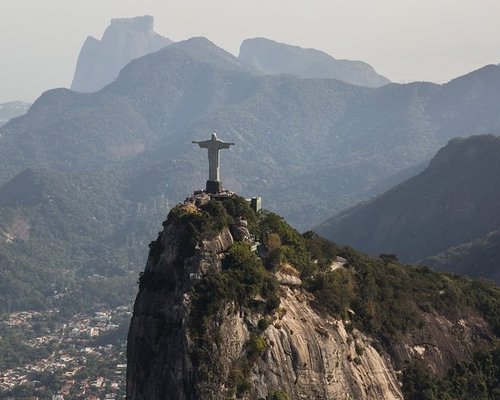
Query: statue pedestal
{"points": [[214, 187]]}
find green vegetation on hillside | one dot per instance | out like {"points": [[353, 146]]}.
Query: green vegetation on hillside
{"points": [[379, 296], [478, 379], [386, 300], [283, 243], [278, 395], [243, 282], [480, 257], [243, 276], [449, 208], [385, 296], [67, 242]]}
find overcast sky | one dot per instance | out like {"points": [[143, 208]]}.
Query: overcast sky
{"points": [[405, 40]]}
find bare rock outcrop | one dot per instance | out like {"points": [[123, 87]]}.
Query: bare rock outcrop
{"points": [[247, 350], [306, 354], [313, 356], [125, 39]]}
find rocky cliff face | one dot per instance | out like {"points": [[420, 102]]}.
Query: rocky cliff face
{"points": [[159, 344], [125, 39], [250, 351], [311, 356]]}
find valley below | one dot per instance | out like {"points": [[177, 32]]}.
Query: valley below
{"points": [[235, 302]]}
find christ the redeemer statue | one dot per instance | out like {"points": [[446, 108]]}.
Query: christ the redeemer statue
{"points": [[214, 145]]}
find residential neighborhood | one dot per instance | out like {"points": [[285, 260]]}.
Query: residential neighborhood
{"points": [[81, 358]]}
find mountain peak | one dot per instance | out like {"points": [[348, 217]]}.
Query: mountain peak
{"points": [[215, 318], [204, 50], [271, 57], [487, 70], [464, 152], [452, 202], [125, 39], [143, 23], [486, 76]]}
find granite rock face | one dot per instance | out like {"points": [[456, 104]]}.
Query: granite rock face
{"points": [[306, 353], [270, 57], [314, 357], [125, 39]]}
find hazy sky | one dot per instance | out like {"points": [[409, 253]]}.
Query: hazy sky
{"points": [[405, 40]]}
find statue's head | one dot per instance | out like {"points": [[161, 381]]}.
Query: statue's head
{"points": [[214, 136]]}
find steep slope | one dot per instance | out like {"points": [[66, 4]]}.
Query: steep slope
{"points": [[328, 141], [77, 235], [270, 57], [153, 96], [299, 318], [453, 201], [480, 257], [100, 61]]}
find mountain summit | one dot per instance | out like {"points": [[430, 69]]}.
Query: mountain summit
{"points": [[100, 61], [326, 139], [235, 304], [270, 57]]}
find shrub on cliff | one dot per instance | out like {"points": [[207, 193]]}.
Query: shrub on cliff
{"points": [[242, 279], [278, 395], [244, 282], [292, 247]]}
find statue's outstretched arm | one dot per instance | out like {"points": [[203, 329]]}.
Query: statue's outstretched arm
{"points": [[203, 143]]}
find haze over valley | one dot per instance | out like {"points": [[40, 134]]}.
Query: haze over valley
{"points": [[92, 175]]}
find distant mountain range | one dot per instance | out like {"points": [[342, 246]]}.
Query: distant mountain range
{"points": [[11, 110], [310, 147], [126, 39], [448, 215], [100, 61], [270, 57], [73, 239], [480, 257]]}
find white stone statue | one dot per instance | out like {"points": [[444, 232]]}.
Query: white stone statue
{"points": [[213, 145]]}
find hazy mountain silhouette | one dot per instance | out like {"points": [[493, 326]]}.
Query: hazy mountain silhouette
{"points": [[100, 61], [60, 230], [453, 201], [270, 57], [480, 257], [11, 110], [309, 146]]}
